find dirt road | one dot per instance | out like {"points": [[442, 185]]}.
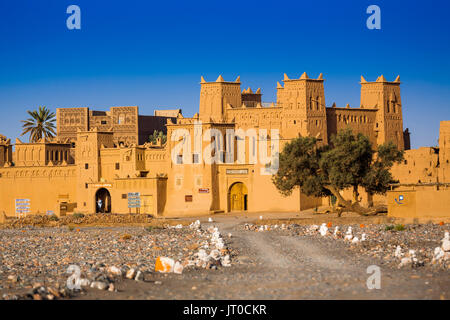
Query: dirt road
{"points": [[272, 265]]}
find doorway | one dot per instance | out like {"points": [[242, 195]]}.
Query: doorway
{"points": [[102, 201], [238, 197]]}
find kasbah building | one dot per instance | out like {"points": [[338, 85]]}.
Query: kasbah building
{"points": [[104, 156]]}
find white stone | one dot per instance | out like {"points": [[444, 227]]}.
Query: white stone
{"points": [[412, 254], [130, 273], [336, 231], [84, 282], [398, 252], [202, 255], [355, 240], [446, 244], [323, 230], [114, 271], [99, 285], [225, 261], [195, 225], [405, 261], [210, 220], [438, 253], [348, 234], [215, 254], [178, 268], [139, 276]]}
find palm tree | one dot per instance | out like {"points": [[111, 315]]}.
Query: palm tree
{"points": [[40, 125]]}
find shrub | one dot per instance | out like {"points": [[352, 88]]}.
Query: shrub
{"points": [[389, 228], [399, 227], [53, 217], [78, 215], [151, 228]]}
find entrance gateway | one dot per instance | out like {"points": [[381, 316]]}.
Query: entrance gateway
{"points": [[238, 197], [102, 201]]}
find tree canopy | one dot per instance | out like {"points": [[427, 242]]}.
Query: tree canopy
{"points": [[40, 125], [157, 134], [348, 162]]}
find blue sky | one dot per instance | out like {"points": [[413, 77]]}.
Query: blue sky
{"points": [[152, 53]]}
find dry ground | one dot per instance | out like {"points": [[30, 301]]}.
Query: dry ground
{"points": [[277, 265]]}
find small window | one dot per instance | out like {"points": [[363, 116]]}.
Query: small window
{"points": [[103, 122], [180, 159], [195, 158], [124, 196], [86, 166], [86, 185], [117, 165]]}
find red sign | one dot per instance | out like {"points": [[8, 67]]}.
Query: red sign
{"points": [[203, 190]]}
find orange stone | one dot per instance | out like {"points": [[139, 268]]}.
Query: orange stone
{"points": [[164, 264]]}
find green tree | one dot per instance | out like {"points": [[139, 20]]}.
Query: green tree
{"points": [[40, 125], [349, 162], [157, 134]]}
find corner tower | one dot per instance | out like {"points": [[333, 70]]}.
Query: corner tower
{"points": [[216, 96], [385, 97], [304, 111]]}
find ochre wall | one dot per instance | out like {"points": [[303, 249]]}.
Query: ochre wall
{"points": [[46, 187], [424, 203]]}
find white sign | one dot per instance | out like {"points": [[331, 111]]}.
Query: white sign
{"points": [[22, 207]]}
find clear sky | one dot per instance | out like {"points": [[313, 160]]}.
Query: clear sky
{"points": [[152, 53]]}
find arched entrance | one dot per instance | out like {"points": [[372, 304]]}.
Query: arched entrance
{"points": [[238, 197], [102, 201]]}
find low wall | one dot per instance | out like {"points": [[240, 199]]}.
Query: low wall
{"points": [[419, 204]]}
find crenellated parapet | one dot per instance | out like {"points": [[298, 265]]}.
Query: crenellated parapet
{"points": [[43, 153], [5, 151]]}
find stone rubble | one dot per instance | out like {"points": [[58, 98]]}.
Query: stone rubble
{"points": [[42, 255]]}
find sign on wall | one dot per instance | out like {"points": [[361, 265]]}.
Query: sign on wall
{"points": [[134, 200], [400, 199], [203, 190], [237, 171], [22, 207]]}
